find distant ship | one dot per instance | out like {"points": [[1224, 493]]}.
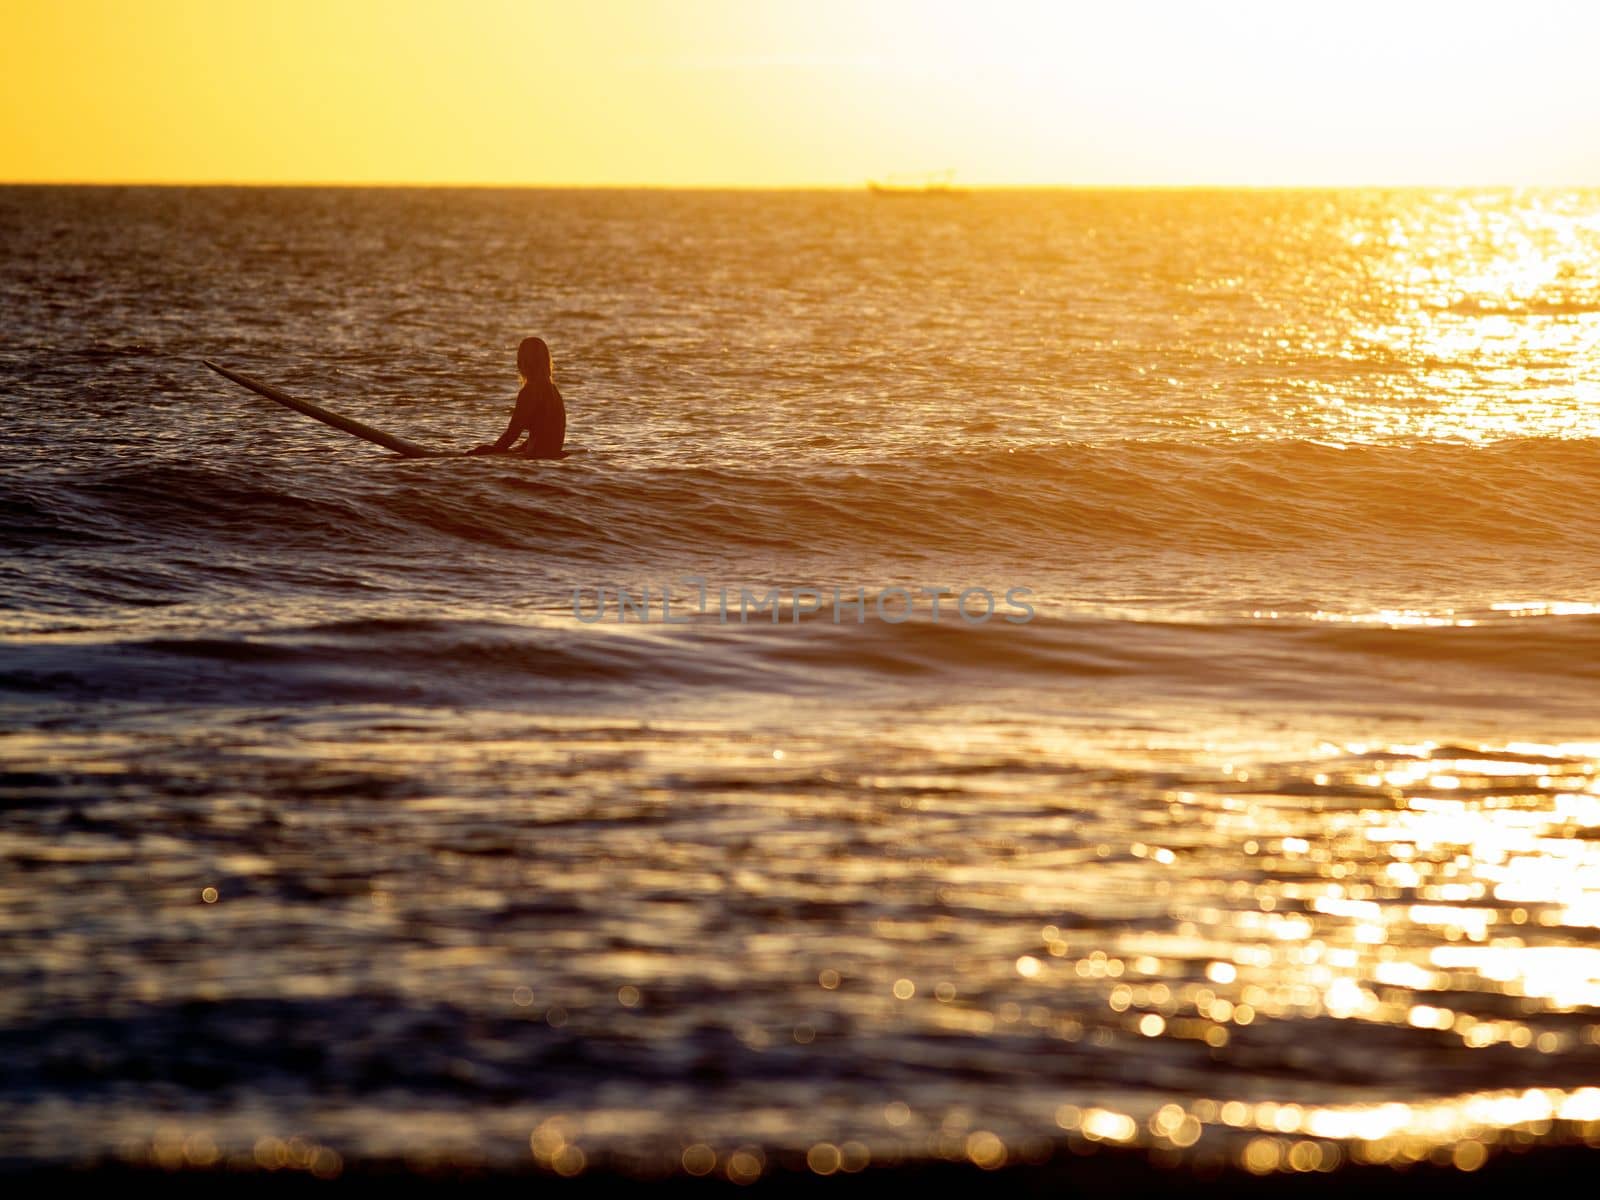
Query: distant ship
{"points": [[934, 183]]}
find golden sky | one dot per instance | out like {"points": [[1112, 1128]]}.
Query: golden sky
{"points": [[821, 92]]}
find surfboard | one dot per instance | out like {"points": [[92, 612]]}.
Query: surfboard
{"points": [[316, 412]]}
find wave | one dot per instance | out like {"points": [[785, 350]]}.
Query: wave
{"points": [[1545, 663], [1026, 502]]}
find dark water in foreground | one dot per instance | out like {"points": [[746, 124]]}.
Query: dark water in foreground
{"points": [[332, 834]]}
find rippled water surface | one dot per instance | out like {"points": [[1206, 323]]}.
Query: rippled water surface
{"points": [[333, 833]]}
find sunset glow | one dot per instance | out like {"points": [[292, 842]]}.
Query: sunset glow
{"points": [[762, 93], [698, 593]]}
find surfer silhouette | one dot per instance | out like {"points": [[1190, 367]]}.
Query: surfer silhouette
{"points": [[539, 411]]}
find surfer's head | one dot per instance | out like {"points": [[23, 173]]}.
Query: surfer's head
{"points": [[533, 360]]}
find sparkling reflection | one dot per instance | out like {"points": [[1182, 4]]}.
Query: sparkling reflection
{"points": [[1324, 918]]}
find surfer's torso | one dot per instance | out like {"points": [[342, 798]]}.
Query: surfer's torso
{"points": [[541, 413]]}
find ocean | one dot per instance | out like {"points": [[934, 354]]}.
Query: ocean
{"points": [[1004, 676]]}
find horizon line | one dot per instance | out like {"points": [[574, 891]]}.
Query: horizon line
{"points": [[863, 186]]}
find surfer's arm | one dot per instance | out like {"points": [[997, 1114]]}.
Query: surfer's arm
{"points": [[513, 428]]}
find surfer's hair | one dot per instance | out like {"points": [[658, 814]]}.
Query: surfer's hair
{"points": [[533, 360]]}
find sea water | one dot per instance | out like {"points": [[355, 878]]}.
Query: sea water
{"points": [[336, 830]]}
